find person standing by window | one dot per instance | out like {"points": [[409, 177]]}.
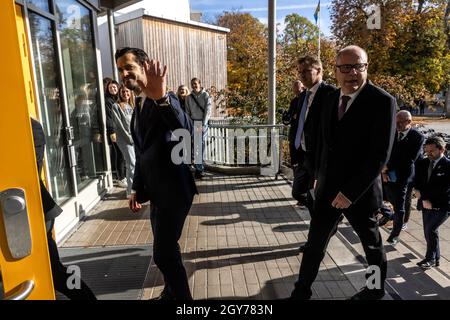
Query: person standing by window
{"points": [[122, 112], [111, 97]]}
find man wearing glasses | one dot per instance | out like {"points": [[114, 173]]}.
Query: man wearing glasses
{"points": [[355, 140]]}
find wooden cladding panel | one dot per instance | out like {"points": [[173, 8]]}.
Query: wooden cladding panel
{"points": [[188, 51], [130, 34]]}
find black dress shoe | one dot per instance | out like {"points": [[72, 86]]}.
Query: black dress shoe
{"points": [[302, 200], [369, 294], [392, 240], [428, 264], [300, 295]]}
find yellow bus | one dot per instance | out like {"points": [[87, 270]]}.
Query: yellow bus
{"points": [[24, 261]]}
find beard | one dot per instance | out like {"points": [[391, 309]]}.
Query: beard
{"points": [[131, 84]]}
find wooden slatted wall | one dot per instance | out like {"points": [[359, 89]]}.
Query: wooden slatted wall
{"points": [[189, 51]]}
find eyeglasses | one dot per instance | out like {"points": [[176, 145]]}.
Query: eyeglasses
{"points": [[346, 68]]}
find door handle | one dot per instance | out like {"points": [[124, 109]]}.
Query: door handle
{"points": [[14, 212], [22, 293]]}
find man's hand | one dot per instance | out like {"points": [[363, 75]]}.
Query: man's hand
{"points": [[341, 201], [427, 204], [113, 137], [155, 88], [133, 204]]}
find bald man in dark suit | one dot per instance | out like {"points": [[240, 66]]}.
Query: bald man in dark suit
{"points": [[356, 137]]}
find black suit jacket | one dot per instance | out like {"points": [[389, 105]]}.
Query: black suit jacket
{"points": [[352, 152], [404, 154], [437, 189], [156, 178], [310, 128], [294, 104]]}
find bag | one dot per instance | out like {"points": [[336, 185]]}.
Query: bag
{"points": [[197, 103]]}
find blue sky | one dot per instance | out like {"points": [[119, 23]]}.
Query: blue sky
{"points": [[258, 8]]}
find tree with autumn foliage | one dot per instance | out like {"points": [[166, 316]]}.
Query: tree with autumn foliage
{"points": [[300, 38], [409, 55], [247, 92], [247, 64]]}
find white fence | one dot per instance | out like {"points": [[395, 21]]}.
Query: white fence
{"points": [[244, 145]]}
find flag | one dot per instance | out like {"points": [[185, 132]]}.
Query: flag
{"points": [[317, 12]]}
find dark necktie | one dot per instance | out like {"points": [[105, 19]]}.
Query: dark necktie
{"points": [[138, 101], [343, 106], [430, 169], [400, 136]]}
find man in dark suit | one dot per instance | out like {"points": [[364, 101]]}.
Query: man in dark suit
{"points": [[356, 137], [432, 183], [400, 168], [304, 128], [170, 187], [297, 89]]}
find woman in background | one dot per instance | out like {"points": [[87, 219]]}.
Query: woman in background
{"points": [[117, 166], [121, 115], [182, 93]]}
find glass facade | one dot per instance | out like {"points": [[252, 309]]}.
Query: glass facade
{"points": [[70, 115], [80, 74], [41, 4], [51, 110]]}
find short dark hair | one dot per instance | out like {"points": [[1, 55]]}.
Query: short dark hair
{"points": [[140, 55], [311, 61], [437, 141], [196, 79]]}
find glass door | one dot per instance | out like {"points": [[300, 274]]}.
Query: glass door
{"points": [[50, 107], [80, 74]]}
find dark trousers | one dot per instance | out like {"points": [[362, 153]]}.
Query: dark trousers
{"points": [[301, 185], [432, 220], [167, 226], [117, 161], [401, 199], [60, 274], [408, 201], [322, 228]]}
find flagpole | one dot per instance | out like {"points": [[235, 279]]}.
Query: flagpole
{"points": [[319, 30]]}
